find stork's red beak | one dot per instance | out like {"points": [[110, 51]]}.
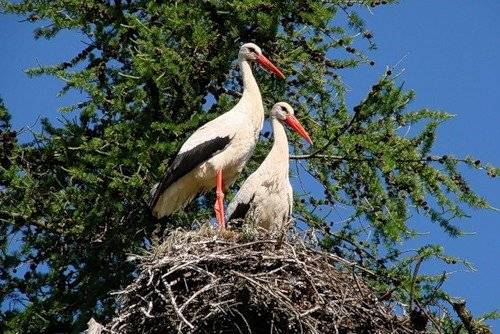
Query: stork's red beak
{"points": [[295, 125], [266, 63]]}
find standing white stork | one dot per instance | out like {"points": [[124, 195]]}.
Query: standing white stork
{"points": [[266, 197], [215, 154]]}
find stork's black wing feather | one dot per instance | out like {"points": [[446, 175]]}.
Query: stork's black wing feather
{"points": [[187, 161], [241, 210]]}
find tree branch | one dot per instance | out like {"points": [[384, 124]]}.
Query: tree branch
{"points": [[318, 156], [433, 158], [472, 326], [38, 223]]}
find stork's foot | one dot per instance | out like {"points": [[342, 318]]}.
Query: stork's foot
{"points": [[219, 202]]}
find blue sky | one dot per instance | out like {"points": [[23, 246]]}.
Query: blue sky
{"points": [[451, 51]]}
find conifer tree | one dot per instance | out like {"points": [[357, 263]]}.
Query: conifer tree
{"points": [[152, 72]]}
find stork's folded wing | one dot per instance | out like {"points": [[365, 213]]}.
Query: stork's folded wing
{"points": [[186, 161]]}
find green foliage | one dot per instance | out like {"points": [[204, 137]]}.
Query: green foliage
{"points": [[384, 173], [75, 196]]}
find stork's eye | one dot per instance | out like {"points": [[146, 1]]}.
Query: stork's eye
{"points": [[284, 109], [252, 50]]}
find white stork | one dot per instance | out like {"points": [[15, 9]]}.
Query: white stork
{"points": [[266, 197], [215, 154]]}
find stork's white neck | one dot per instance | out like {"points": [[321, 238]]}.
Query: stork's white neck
{"points": [[251, 100], [279, 156], [250, 87]]}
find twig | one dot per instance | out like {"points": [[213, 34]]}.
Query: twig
{"points": [[174, 304], [199, 292], [314, 309]]}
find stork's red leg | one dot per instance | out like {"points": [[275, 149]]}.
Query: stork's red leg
{"points": [[219, 202]]}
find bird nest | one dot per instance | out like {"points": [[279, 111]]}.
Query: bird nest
{"points": [[207, 281]]}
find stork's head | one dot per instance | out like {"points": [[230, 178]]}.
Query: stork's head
{"points": [[252, 53], [283, 112]]}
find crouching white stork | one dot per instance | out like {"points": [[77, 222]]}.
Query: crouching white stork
{"points": [[266, 197], [215, 154]]}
